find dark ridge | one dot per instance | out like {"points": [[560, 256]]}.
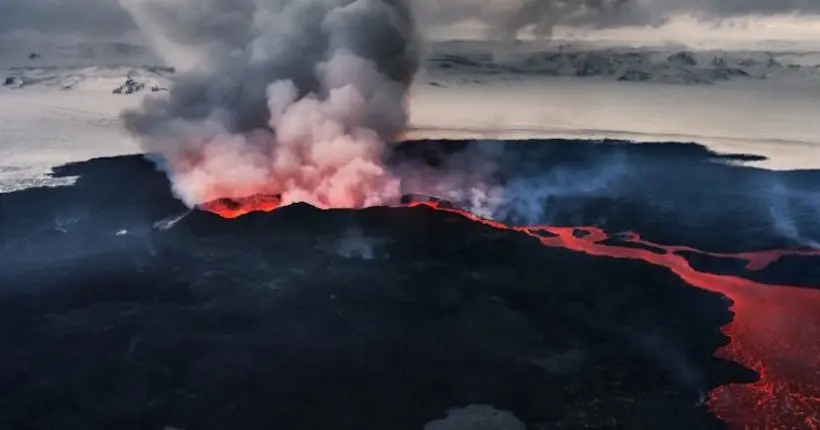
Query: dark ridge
{"points": [[543, 233], [435, 151], [677, 192]]}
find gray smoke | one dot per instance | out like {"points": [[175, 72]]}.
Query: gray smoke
{"points": [[506, 18], [786, 207], [467, 178], [496, 180], [289, 97]]}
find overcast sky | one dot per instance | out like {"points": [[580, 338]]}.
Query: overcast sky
{"points": [[95, 17], [107, 18]]}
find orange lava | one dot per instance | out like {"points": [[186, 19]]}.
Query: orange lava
{"points": [[236, 207], [775, 330]]}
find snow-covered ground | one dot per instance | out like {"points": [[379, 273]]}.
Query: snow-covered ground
{"points": [[774, 118], [676, 64], [59, 105], [41, 128]]}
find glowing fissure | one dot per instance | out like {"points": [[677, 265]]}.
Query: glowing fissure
{"points": [[775, 330], [235, 208]]}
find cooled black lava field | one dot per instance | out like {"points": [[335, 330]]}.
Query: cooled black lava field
{"points": [[386, 318]]}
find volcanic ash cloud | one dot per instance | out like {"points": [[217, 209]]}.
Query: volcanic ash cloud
{"points": [[288, 97]]}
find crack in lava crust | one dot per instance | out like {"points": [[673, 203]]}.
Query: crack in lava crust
{"points": [[775, 330]]}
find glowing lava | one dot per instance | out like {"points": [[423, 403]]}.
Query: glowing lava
{"points": [[775, 330], [236, 207]]}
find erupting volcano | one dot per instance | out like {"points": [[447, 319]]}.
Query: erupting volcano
{"points": [[234, 208], [297, 102], [774, 330]]}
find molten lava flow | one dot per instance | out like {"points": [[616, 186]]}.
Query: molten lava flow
{"points": [[234, 208], [775, 330]]}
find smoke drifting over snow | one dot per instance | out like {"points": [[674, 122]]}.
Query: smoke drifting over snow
{"points": [[293, 98], [299, 98]]}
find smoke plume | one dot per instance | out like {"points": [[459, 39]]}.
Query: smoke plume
{"points": [[786, 207], [286, 97], [512, 182]]}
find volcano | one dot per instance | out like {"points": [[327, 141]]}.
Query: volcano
{"points": [[267, 319]]}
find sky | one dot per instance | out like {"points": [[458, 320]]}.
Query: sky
{"points": [[90, 17], [780, 19]]}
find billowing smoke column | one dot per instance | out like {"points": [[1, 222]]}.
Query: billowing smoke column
{"points": [[293, 98]]}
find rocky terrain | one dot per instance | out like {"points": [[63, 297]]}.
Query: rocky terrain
{"points": [[120, 79], [668, 65], [125, 70], [400, 318]]}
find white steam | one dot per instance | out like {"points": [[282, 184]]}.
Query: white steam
{"points": [[783, 203], [318, 150], [294, 98]]}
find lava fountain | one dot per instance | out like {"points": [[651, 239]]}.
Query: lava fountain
{"points": [[775, 329]]}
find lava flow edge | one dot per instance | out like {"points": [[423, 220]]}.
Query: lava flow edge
{"points": [[773, 330]]}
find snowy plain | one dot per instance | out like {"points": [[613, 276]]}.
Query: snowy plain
{"points": [[60, 106]]}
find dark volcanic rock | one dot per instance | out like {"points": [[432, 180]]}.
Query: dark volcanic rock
{"points": [[250, 323], [129, 87], [726, 73], [593, 64], [719, 61], [269, 321], [683, 58], [634, 75]]}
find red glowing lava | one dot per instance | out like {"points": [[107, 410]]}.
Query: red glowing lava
{"points": [[236, 207], [775, 329]]}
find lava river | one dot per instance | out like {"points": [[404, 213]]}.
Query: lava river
{"points": [[775, 330]]}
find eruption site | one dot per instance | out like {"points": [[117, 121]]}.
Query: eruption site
{"points": [[294, 101], [774, 330], [288, 98], [234, 208]]}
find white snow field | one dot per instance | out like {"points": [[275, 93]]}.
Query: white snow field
{"points": [[778, 120], [60, 105], [43, 128]]}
